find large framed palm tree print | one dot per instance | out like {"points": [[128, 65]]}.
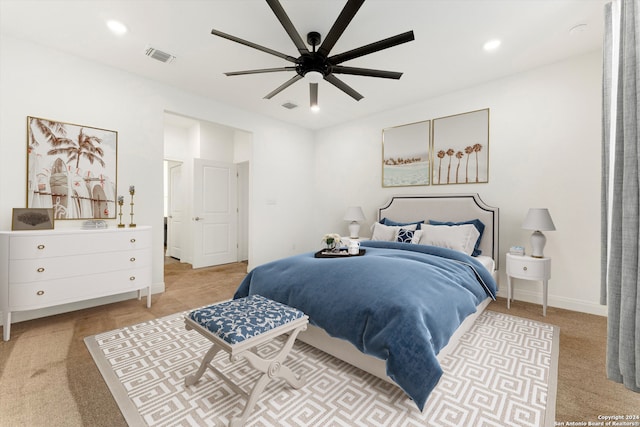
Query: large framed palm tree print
{"points": [[461, 148], [71, 169]]}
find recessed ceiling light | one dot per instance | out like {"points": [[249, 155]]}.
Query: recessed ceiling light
{"points": [[492, 45], [117, 27]]}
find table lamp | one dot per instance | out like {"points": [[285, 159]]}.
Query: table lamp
{"points": [[354, 214], [538, 219]]}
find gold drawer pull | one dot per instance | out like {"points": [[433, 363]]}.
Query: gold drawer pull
{"points": [[524, 268], [132, 240], [132, 278], [40, 293], [40, 246], [40, 270], [132, 259]]}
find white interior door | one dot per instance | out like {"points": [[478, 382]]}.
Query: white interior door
{"points": [[175, 220], [215, 208]]}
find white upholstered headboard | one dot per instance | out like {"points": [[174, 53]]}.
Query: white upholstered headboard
{"points": [[448, 207]]}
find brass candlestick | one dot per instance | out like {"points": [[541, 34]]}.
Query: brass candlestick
{"points": [[120, 203], [132, 191]]}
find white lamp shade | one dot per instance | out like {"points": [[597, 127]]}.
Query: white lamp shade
{"points": [[354, 213], [538, 219]]}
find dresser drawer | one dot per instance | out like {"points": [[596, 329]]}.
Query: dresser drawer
{"points": [[76, 243], [529, 268], [37, 270], [29, 296]]}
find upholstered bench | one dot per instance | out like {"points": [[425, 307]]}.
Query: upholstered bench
{"points": [[237, 327]]}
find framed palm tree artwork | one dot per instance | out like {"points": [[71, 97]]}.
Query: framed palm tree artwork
{"points": [[71, 169], [460, 151]]}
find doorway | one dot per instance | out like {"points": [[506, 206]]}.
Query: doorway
{"points": [[174, 209], [193, 216]]}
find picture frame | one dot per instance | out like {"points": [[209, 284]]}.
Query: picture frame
{"points": [[71, 168], [405, 154], [460, 151], [32, 219]]}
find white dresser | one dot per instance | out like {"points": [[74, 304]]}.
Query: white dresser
{"points": [[45, 268]]}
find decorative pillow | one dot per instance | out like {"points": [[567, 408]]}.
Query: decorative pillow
{"points": [[479, 225], [405, 235], [387, 232], [387, 221], [458, 237]]}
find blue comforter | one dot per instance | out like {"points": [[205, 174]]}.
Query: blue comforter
{"points": [[399, 302]]}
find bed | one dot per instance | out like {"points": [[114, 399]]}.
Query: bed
{"points": [[399, 308]]}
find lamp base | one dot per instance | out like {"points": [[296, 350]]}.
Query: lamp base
{"points": [[354, 229], [537, 244]]}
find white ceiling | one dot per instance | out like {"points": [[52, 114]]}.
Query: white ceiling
{"points": [[447, 54]]}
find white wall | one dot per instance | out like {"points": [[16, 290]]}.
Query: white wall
{"points": [[41, 82], [544, 152]]}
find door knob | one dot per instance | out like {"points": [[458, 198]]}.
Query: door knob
{"points": [[197, 218]]}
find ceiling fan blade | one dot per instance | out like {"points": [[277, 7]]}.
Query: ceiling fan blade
{"points": [[313, 95], [339, 69], [343, 87], [373, 47], [283, 86], [348, 12], [253, 45], [260, 71], [282, 16]]}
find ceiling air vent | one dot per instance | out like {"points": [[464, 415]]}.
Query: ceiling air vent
{"points": [[289, 105], [159, 55]]}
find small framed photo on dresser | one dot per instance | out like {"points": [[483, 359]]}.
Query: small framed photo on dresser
{"points": [[32, 219]]}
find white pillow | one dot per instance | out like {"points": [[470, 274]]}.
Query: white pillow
{"points": [[417, 235], [458, 237], [388, 233]]}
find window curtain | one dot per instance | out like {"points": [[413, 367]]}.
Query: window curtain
{"points": [[621, 191]]}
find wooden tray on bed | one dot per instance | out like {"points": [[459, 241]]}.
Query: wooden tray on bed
{"points": [[341, 254]]}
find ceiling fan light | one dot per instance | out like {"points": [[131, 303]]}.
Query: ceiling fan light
{"points": [[314, 76], [313, 97]]}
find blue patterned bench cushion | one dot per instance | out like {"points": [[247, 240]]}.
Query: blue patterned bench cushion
{"points": [[237, 320]]}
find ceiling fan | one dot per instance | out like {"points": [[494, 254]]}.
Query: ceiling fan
{"points": [[317, 64]]}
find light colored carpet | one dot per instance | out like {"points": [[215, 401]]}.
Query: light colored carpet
{"points": [[503, 372]]}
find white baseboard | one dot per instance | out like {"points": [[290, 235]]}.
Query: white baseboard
{"points": [[558, 302], [21, 316]]}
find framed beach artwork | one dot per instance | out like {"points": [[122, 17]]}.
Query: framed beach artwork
{"points": [[405, 154], [32, 219], [461, 148], [72, 169]]}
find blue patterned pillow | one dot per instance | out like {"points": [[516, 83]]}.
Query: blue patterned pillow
{"points": [[404, 235]]}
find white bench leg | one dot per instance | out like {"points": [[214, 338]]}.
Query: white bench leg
{"points": [[271, 368], [193, 378]]}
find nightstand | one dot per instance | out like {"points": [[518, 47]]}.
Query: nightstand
{"points": [[528, 268]]}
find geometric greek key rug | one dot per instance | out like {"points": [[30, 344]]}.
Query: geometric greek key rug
{"points": [[502, 373]]}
